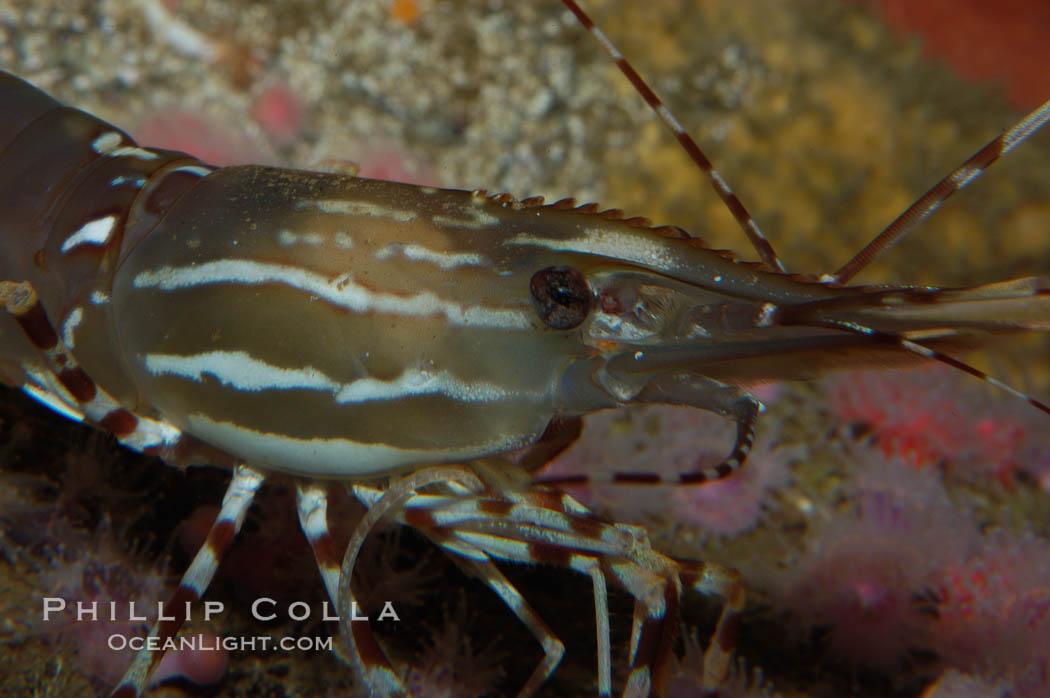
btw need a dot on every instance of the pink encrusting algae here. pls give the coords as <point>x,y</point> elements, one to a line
<point>280,113</point>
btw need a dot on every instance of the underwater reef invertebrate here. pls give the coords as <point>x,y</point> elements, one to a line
<point>451,663</point>
<point>994,611</point>
<point>97,597</point>
<point>901,580</point>
<point>867,579</point>
<point>934,416</point>
<point>546,182</point>
<point>742,682</point>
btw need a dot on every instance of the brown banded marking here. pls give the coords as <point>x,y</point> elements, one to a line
<point>83,397</point>
<point>195,580</point>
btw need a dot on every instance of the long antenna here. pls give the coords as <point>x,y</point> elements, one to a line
<point>732,202</point>
<point>932,200</point>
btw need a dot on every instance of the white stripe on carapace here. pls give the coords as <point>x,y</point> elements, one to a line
<point>132,151</point>
<point>69,326</point>
<point>444,260</point>
<point>413,382</point>
<point>99,298</point>
<point>94,232</point>
<point>356,208</point>
<point>606,243</point>
<point>476,218</point>
<point>336,457</point>
<point>239,370</point>
<point>340,291</point>
<point>286,238</point>
<point>107,142</point>
<point>242,371</point>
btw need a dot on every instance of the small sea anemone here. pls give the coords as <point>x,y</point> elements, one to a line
<point>451,665</point>
<point>867,579</point>
<point>669,441</point>
<point>916,415</point>
<point>995,609</point>
<point>91,572</point>
<point>118,594</point>
<point>91,593</point>
<point>742,682</point>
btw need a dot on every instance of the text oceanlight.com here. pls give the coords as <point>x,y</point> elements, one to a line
<point>195,643</point>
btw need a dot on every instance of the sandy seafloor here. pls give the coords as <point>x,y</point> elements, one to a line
<point>825,124</point>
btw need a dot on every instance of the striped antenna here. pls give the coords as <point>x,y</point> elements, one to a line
<point>732,202</point>
<point>920,350</point>
<point>932,200</point>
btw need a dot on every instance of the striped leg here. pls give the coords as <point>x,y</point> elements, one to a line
<point>71,390</point>
<point>476,563</point>
<point>422,511</point>
<point>243,486</point>
<point>549,527</point>
<point>709,578</point>
<point>312,502</point>
<point>367,658</point>
<point>657,594</point>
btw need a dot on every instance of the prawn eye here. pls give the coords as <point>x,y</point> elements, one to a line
<point>561,297</point>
